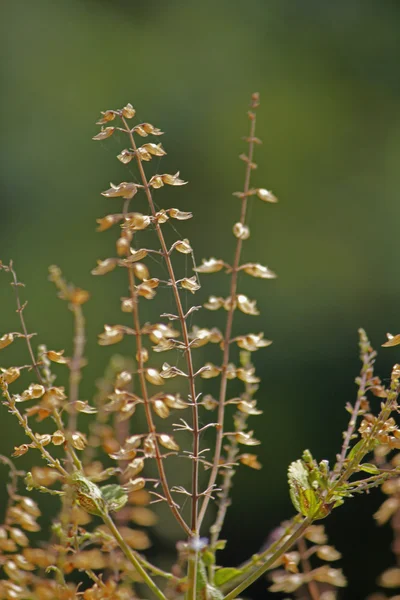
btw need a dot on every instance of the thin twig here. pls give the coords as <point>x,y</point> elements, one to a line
<point>185,335</point>
<point>229,320</point>
<point>306,566</point>
<point>297,534</point>
<point>20,309</point>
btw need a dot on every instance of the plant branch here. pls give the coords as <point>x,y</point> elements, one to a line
<point>131,556</point>
<point>229,320</point>
<point>20,309</point>
<point>185,335</point>
<point>258,572</point>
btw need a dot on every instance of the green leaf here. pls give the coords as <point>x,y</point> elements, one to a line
<point>114,496</point>
<point>226,574</point>
<point>355,449</point>
<point>369,468</point>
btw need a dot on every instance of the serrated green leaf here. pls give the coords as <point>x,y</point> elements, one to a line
<point>226,574</point>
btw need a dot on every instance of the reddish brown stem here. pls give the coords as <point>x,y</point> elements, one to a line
<point>185,335</point>
<point>229,320</point>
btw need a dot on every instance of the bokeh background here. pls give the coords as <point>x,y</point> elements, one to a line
<point>328,75</point>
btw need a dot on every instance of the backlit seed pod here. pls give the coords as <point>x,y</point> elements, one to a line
<point>81,406</point>
<point>105,133</point>
<point>161,216</point>
<point>161,409</point>
<point>11,374</point>
<point>174,402</point>
<point>111,335</point>
<point>169,371</point>
<point>153,376</point>
<point>266,196</point>
<point>190,283</point>
<point>257,270</point>
<point>392,340</point>
<point>214,303</point>
<point>127,305</point>
<point>78,440</point>
<point>30,506</point>
<point>143,516</point>
<point>168,442</point>
<point>246,438</point>
<point>133,485</point>
<point>158,181</point>
<point>164,345</point>
<point>145,129</point>
<point>43,439</point>
<point>149,447</point>
<point>146,291</point>
<point>154,149</point>
<point>104,266</point>
<point>240,231</point>
<point>106,222</point>
<point>230,371</point>
<point>183,246</point>
<point>136,221</point>
<point>141,271</point>
<point>19,536</point>
<point>249,408</point>
<point>128,111</point>
<point>143,355</point>
<point>134,467</point>
<point>6,340</point>
<point>58,438</point>
<point>122,246</point>
<point>108,115</point>
<point>136,255</point>
<point>53,397</point>
<point>20,450</point>
<point>247,306</point>
<point>122,190</point>
<point>209,402</point>
<point>79,296</point>
<point>250,460</point>
<point>212,265</point>
<point>125,156</point>
<point>57,357</point>
<point>252,342</point>
<point>36,390</point>
<point>45,476</point>
<point>23,563</point>
<point>212,371</point>
<point>144,153</point>
<point>180,215</point>
<point>123,379</point>
<point>328,553</point>
<point>247,375</point>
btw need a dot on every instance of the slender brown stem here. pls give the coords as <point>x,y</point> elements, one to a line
<point>185,335</point>
<point>306,566</point>
<point>36,443</point>
<point>229,320</point>
<point>20,309</point>
<point>147,405</point>
<point>75,364</point>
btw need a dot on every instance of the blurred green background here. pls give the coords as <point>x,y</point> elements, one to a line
<point>329,81</point>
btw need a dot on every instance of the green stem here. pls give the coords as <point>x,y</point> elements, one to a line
<point>192,577</point>
<point>272,559</point>
<point>131,557</point>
